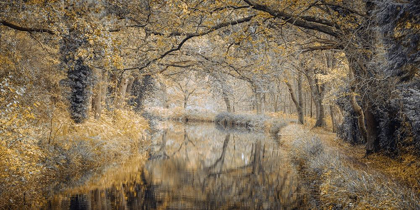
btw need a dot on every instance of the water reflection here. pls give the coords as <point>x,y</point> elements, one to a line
<point>198,167</point>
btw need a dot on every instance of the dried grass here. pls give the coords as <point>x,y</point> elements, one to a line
<point>64,153</point>
<point>341,184</point>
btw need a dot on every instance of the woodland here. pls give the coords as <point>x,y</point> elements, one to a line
<point>81,80</point>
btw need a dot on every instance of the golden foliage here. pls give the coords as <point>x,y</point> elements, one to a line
<point>73,150</point>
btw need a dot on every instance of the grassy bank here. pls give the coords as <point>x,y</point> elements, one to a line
<point>180,114</point>
<point>334,180</point>
<point>251,122</point>
<point>61,154</point>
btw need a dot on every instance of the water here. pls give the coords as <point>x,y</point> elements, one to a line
<point>194,167</point>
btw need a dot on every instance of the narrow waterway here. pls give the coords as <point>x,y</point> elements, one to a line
<point>194,166</point>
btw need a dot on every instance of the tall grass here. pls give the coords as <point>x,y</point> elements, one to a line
<point>341,184</point>
<point>65,154</point>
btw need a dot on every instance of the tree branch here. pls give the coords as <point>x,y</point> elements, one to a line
<point>30,30</point>
<point>322,47</point>
<point>190,36</point>
<point>307,22</point>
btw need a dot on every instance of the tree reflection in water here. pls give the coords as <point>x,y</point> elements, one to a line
<point>199,167</point>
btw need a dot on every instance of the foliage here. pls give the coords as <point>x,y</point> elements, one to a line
<point>79,78</point>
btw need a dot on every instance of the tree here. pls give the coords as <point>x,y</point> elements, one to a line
<point>350,26</point>
<point>298,101</point>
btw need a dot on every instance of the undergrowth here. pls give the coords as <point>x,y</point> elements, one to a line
<point>341,185</point>
<point>180,114</point>
<point>63,153</point>
<point>252,122</point>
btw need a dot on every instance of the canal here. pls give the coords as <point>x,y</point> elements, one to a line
<point>194,166</point>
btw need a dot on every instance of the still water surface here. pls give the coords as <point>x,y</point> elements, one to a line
<point>194,166</point>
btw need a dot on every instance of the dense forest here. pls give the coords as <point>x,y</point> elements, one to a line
<point>82,83</point>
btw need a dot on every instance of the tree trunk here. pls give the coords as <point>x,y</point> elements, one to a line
<point>372,144</point>
<point>185,102</point>
<point>144,88</point>
<point>227,101</point>
<point>360,116</point>
<point>256,163</point>
<point>298,104</point>
<point>120,95</point>
<point>320,114</point>
<point>104,88</point>
<point>129,87</point>
<point>333,120</point>
<point>276,102</point>
<point>299,92</point>
<point>305,104</point>
<point>258,102</point>
<point>284,103</point>
<point>310,108</point>
<point>317,91</point>
<point>257,99</point>
<point>97,94</point>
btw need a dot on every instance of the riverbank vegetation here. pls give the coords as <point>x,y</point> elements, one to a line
<point>44,162</point>
<point>334,179</point>
<point>76,77</point>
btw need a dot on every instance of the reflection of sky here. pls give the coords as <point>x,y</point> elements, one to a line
<point>203,145</point>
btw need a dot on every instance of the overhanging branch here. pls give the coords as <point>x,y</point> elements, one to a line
<point>189,36</point>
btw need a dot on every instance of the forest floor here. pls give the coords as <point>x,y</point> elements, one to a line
<point>335,174</point>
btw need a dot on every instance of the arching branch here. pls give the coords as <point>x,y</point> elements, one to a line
<point>189,36</point>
